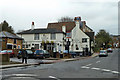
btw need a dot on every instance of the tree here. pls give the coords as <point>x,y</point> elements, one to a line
<point>102,38</point>
<point>5,27</point>
<point>65,19</point>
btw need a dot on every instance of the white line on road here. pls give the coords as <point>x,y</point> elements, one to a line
<point>85,67</point>
<point>88,64</point>
<point>97,61</point>
<point>115,72</point>
<point>95,68</point>
<point>23,75</point>
<point>53,77</point>
<point>105,70</point>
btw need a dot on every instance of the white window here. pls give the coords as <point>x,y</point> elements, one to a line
<point>36,36</point>
<point>53,36</point>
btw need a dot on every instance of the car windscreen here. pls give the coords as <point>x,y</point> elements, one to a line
<point>71,52</point>
<point>29,52</point>
<point>4,51</point>
<point>9,51</point>
<point>38,51</point>
<point>46,52</point>
<point>102,51</point>
<point>20,52</point>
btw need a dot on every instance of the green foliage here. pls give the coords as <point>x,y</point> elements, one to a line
<point>5,27</point>
<point>102,37</point>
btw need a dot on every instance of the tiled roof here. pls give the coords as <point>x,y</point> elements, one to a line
<point>36,31</point>
<point>58,25</point>
<point>4,34</point>
<point>69,25</point>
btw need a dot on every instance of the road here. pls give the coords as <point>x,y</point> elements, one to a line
<point>100,68</point>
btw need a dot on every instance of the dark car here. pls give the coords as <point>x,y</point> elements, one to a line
<point>73,54</point>
<point>30,54</point>
<point>41,54</point>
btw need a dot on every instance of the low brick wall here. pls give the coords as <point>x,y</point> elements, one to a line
<point>4,58</point>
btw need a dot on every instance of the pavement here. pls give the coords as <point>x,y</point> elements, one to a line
<point>46,61</point>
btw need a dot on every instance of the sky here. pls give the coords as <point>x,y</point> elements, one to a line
<point>98,14</point>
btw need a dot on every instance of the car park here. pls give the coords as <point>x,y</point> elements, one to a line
<point>109,50</point>
<point>29,52</point>
<point>41,54</point>
<point>103,53</point>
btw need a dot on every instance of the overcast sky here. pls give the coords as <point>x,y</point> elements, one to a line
<point>98,14</point>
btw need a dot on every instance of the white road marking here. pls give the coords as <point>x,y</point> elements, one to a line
<point>88,64</point>
<point>105,70</point>
<point>95,68</point>
<point>23,75</point>
<point>115,72</point>
<point>97,61</point>
<point>53,77</point>
<point>85,67</point>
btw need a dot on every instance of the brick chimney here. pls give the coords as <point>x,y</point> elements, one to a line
<point>32,26</point>
<point>77,21</point>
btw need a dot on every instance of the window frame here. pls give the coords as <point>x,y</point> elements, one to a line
<point>36,36</point>
<point>53,36</point>
<point>84,40</point>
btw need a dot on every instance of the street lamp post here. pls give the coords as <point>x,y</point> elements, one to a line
<point>68,44</point>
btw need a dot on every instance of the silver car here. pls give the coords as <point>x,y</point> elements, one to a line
<point>103,53</point>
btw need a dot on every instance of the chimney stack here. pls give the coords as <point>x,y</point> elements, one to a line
<point>77,19</point>
<point>32,26</point>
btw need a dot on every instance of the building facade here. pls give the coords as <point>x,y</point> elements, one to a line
<point>10,41</point>
<point>78,33</point>
<point>46,39</point>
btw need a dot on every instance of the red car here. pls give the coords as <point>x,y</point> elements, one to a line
<point>12,54</point>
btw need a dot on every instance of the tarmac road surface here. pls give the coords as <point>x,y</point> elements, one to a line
<point>100,68</point>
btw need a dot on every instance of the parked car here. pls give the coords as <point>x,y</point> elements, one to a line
<point>41,54</point>
<point>103,53</point>
<point>109,50</point>
<point>30,54</point>
<point>10,52</point>
<point>73,54</point>
<point>3,52</point>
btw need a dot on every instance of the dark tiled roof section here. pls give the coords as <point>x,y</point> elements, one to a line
<point>89,27</point>
<point>38,31</point>
<point>91,35</point>
<point>5,34</point>
<point>58,25</point>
